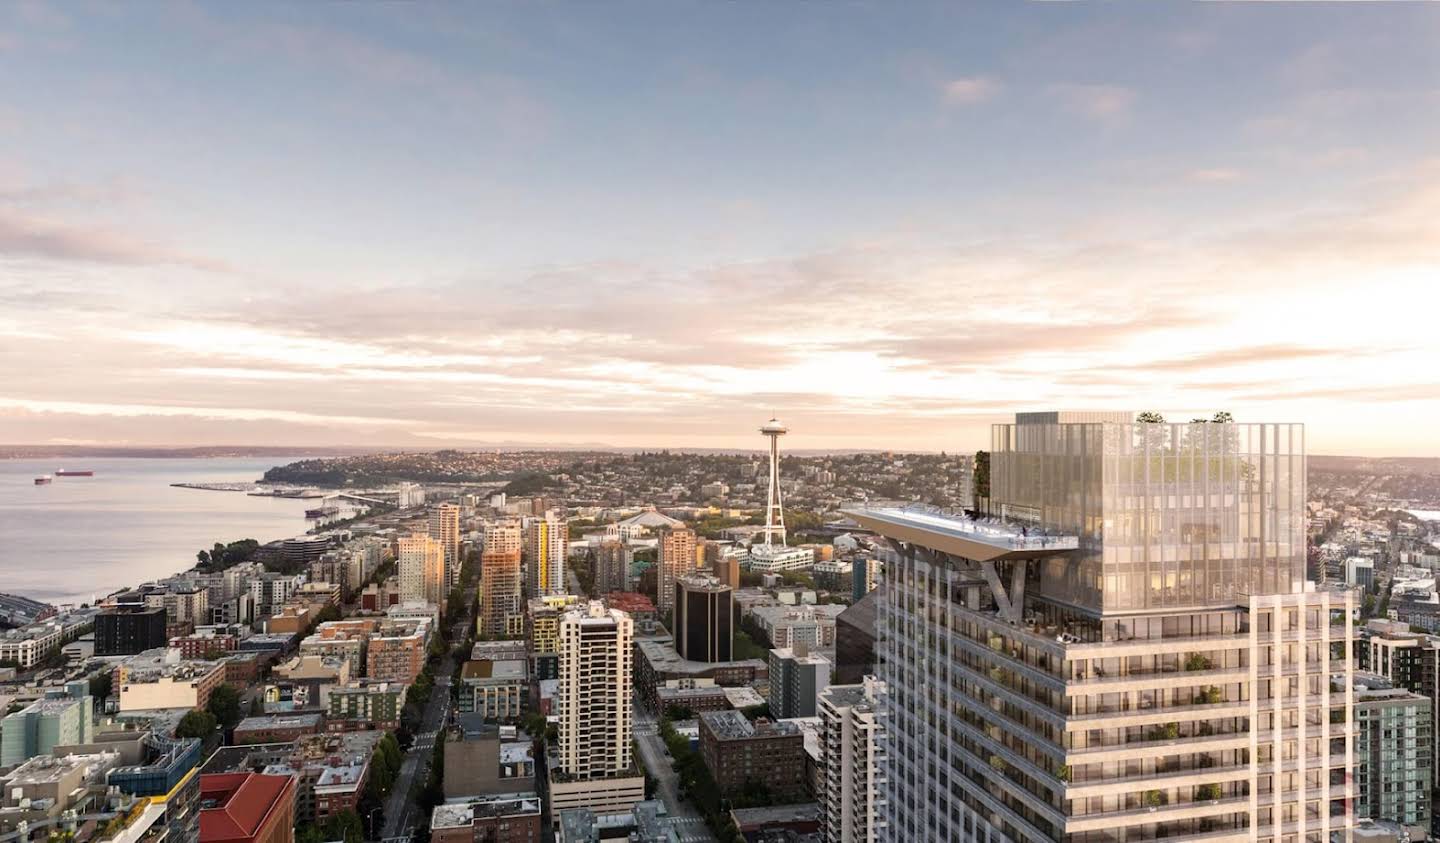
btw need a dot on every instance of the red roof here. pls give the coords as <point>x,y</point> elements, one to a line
<point>240,806</point>
<point>629,601</point>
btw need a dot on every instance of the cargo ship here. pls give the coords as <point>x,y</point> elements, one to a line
<point>43,479</point>
<point>74,473</point>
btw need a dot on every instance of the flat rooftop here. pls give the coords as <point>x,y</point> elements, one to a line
<point>982,539</point>
<point>464,814</point>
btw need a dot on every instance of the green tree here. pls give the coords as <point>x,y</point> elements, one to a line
<point>1150,417</point>
<point>225,706</point>
<point>101,684</point>
<point>982,474</point>
<point>196,724</point>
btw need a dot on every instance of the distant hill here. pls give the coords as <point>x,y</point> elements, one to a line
<point>1376,465</point>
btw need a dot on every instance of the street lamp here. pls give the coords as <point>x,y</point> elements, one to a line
<point>371,820</point>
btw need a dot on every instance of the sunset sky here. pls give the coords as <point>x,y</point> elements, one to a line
<point>656,224</point>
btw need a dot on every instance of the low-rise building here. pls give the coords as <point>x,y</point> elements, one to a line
<point>161,679</point>
<point>763,753</point>
<point>247,808</point>
<point>495,689</point>
<point>657,662</point>
<point>496,818</point>
<point>275,728</point>
<point>365,705</point>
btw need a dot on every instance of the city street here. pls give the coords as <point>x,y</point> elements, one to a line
<point>402,815</point>
<point>689,825</point>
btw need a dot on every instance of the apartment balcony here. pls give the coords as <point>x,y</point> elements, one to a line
<point>1158,781</point>
<point>1145,749</point>
<point>1161,814</point>
<point>1156,715</point>
<point>983,540</point>
<point>1155,681</point>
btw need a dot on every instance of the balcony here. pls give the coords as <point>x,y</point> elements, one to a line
<point>983,540</point>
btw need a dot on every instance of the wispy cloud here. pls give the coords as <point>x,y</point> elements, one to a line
<point>970,90</point>
<point>1215,175</point>
<point>1101,103</point>
<point>31,236</point>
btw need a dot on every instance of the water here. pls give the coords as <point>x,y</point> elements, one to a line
<point>82,537</point>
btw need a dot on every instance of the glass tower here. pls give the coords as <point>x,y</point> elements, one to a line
<point>1123,648</point>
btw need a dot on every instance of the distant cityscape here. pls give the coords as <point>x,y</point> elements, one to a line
<point>1095,629</point>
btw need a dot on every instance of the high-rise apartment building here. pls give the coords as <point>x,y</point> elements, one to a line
<point>1393,745</point>
<point>1127,649</point>
<point>797,677</point>
<point>851,750</point>
<point>1408,660</point>
<point>704,617</point>
<point>445,529</point>
<point>611,567</point>
<point>422,569</point>
<point>546,543</point>
<point>500,591</point>
<point>593,700</point>
<point>45,724</point>
<point>675,559</point>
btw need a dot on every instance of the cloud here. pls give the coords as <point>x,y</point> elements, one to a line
<point>23,235</point>
<point>970,90</point>
<point>83,408</point>
<point>1101,103</point>
<point>1215,175</point>
<point>1226,358</point>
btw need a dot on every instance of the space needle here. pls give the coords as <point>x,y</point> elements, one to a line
<point>775,509</point>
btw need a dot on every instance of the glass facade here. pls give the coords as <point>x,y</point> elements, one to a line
<point>1170,516</point>
<point>1170,678</point>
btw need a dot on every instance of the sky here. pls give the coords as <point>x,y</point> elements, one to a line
<point>658,224</point>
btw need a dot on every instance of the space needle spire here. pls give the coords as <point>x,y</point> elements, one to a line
<point>774,509</point>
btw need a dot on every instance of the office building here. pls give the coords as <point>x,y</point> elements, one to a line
<point>1125,648</point>
<point>501,598</point>
<point>855,640</point>
<point>546,544</point>
<point>1360,572</point>
<point>247,808</point>
<point>612,567</point>
<point>593,700</point>
<point>45,724</point>
<point>147,683</point>
<point>129,629</point>
<point>675,558</point>
<point>766,753</point>
<point>1393,755</point>
<point>445,529</point>
<point>851,748</point>
<point>422,569</point>
<point>796,679</point>
<point>704,614</point>
<point>864,576</point>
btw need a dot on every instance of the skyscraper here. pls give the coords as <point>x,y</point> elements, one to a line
<point>1126,650</point>
<point>611,572</point>
<point>850,743</point>
<point>500,591</point>
<point>547,542</point>
<point>501,583</point>
<point>593,701</point>
<point>422,569</point>
<point>704,615</point>
<point>676,558</point>
<point>445,529</point>
<point>593,707</point>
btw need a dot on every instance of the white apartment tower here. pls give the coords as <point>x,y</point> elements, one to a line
<point>422,569</point>
<point>851,752</point>
<point>593,700</point>
<point>547,540</point>
<point>1126,649</point>
<point>445,529</point>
